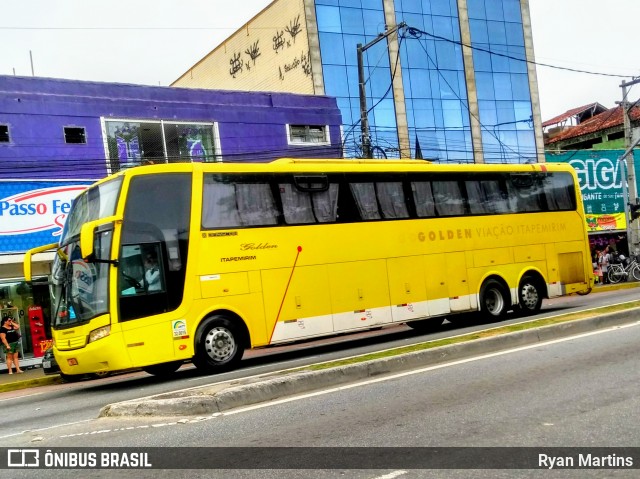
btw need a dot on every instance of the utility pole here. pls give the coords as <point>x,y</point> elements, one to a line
<point>632,231</point>
<point>364,117</point>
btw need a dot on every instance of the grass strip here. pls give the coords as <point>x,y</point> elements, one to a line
<point>565,318</point>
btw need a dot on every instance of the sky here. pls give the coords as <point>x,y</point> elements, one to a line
<point>152,42</point>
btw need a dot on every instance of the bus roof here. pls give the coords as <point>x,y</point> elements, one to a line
<point>330,165</point>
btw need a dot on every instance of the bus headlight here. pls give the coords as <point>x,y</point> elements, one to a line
<point>99,333</point>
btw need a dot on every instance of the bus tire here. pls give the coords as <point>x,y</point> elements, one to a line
<point>529,295</point>
<point>163,369</point>
<point>426,325</point>
<point>494,300</point>
<point>219,345</point>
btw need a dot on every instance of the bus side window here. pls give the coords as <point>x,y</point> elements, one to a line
<point>423,199</point>
<point>365,196</point>
<point>296,205</point>
<point>325,204</point>
<point>449,198</point>
<point>392,200</point>
<point>256,204</point>
<point>559,191</point>
<point>233,205</point>
<point>528,192</point>
<point>347,211</point>
<point>486,197</point>
<point>219,206</point>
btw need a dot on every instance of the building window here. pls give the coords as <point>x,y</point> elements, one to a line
<point>135,142</point>
<point>308,135</point>
<point>75,135</point>
<point>4,133</point>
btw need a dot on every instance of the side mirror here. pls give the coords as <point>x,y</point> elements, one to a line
<point>88,234</point>
<point>30,253</point>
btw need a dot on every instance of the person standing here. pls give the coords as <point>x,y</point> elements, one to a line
<point>603,261</point>
<point>10,337</point>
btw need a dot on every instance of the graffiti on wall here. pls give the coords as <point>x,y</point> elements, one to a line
<point>301,61</point>
<point>283,39</point>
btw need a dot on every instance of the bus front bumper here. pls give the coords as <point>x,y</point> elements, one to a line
<point>104,355</point>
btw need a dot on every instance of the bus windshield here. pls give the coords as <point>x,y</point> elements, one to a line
<point>79,288</point>
<point>96,202</point>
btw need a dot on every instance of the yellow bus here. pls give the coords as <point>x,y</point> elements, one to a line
<point>162,264</point>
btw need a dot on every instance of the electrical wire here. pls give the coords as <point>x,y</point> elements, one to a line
<point>548,65</point>
<point>415,33</point>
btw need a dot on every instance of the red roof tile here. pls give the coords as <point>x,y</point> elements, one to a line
<point>570,113</point>
<point>602,121</point>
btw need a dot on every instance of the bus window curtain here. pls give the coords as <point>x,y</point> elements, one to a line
<point>255,204</point>
<point>365,196</point>
<point>219,209</point>
<point>296,205</point>
<point>448,198</point>
<point>325,204</point>
<point>423,199</point>
<point>391,198</point>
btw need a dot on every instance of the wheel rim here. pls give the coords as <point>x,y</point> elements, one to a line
<point>220,344</point>
<point>494,302</point>
<point>615,275</point>
<point>529,296</point>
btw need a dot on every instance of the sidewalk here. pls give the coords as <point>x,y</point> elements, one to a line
<point>31,377</point>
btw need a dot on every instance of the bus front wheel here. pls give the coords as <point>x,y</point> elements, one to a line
<point>218,345</point>
<point>494,300</point>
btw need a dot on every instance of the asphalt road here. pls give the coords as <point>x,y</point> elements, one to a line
<point>579,392</point>
<point>49,406</point>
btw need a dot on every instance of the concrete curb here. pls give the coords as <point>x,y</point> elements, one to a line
<point>223,397</point>
<point>29,383</point>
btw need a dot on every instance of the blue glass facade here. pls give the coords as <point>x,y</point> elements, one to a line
<point>342,25</point>
<point>434,81</point>
<point>438,115</point>
<point>502,82</point>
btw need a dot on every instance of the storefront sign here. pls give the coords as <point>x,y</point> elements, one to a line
<point>606,222</point>
<point>32,213</point>
<point>600,174</point>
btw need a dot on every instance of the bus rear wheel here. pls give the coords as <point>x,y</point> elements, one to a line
<point>164,369</point>
<point>529,295</point>
<point>494,300</point>
<point>218,345</point>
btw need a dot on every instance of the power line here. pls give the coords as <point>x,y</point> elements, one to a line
<point>417,33</point>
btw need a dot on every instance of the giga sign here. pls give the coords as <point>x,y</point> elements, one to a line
<point>600,174</point>
<point>32,213</point>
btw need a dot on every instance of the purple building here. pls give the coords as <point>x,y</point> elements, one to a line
<point>58,136</point>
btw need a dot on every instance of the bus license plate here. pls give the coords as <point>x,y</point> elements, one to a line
<point>46,364</point>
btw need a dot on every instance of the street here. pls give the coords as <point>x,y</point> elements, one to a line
<point>41,407</point>
<point>579,392</point>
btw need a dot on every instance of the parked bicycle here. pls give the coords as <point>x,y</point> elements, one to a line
<point>622,268</point>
